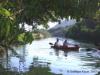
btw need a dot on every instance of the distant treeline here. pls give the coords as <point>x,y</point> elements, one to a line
<point>88,30</point>
<point>42,33</point>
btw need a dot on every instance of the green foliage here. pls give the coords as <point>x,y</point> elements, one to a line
<point>28,38</point>
<point>83,31</point>
<point>39,71</point>
<point>36,12</point>
<point>4,12</point>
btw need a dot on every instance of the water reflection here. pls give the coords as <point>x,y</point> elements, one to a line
<point>39,55</point>
<point>92,62</point>
<point>56,52</point>
<point>14,62</point>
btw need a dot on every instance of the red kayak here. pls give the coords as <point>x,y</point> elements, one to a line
<point>74,47</point>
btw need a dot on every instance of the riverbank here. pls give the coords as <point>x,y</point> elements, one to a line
<point>84,32</point>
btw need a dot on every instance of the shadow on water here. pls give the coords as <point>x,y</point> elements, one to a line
<point>58,51</point>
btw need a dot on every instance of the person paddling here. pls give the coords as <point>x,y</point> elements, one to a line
<point>56,43</point>
<point>65,43</point>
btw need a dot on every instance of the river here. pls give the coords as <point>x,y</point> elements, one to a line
<point>39,53</point>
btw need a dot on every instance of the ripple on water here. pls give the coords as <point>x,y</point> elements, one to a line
<point>39,52</point>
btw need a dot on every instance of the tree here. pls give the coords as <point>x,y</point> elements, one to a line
<point>36,12</point>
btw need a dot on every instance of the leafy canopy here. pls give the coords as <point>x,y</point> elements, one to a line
<point>36,12</point>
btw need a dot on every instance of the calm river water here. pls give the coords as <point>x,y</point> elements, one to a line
<point>39,53</point>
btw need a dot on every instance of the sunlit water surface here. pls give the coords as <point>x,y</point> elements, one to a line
<point>59,62</point>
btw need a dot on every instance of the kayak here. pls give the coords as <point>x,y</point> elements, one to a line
<point>74,47</point>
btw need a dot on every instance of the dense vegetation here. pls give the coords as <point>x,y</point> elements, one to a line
<point>87,30</point>
<point>36,12</point>
<point>14,14</point>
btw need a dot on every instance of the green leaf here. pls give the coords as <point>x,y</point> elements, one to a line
<point>4,12</point>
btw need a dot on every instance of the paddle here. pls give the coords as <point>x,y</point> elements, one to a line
<point>51,43</point>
